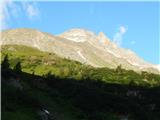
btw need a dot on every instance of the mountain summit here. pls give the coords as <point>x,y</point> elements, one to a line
<point>78,35</point>
<point>80,45</point>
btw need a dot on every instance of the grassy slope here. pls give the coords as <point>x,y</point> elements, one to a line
<point>60,97</point>
<point>41,63</point>
<point>33,60</point>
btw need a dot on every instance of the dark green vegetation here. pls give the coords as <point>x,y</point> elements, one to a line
<point>32,80</point>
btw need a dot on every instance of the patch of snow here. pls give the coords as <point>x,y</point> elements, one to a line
<point>116,55</point>
<point>136,64</point>
<point>133,63</point>
<point>143,66</point>
<point>140,67</point>
<point>81,55</point>
<point>76,38</point>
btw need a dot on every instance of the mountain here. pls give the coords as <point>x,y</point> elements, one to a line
<point>43,85</point>
<point>80,45</point>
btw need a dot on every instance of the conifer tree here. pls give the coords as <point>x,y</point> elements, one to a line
<point>5,64</point>
<point>18,67</point>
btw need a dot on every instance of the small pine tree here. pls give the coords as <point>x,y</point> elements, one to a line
<point>48,75</point>
<point>119,69</point>
<point>132,83</point>
<point>18,67</point>
<point>5,64</point>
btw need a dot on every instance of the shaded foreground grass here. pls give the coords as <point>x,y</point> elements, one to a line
<point>70,99</point>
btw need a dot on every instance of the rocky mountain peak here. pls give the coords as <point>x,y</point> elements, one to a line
<point>95,50</point>
<point>102,38</point>
<point>78,35</point>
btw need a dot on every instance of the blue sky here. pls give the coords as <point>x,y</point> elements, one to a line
<point>133,25</point>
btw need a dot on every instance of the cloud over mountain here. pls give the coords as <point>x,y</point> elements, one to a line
<point>118,37</point>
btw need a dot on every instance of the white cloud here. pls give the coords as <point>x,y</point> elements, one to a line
<point>122,29</point>
<point>9,10</point>
<point>31,9</point>
<point>117,38</point>
<point>5,15</point>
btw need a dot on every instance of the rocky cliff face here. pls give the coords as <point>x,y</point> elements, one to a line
<point>81,45</point>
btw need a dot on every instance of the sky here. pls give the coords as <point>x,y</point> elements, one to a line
<point>132,25</point>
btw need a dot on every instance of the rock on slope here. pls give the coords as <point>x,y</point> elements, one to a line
<point>81,45</point>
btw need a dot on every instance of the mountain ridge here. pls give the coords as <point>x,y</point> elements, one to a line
<point>83,46</point>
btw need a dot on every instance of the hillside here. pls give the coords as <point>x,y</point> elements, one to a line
<point>80,45</point>
<point>40,63</point>
<point>42,86</point>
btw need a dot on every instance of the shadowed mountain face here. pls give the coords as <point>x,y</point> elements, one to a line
<point>81,45</point>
